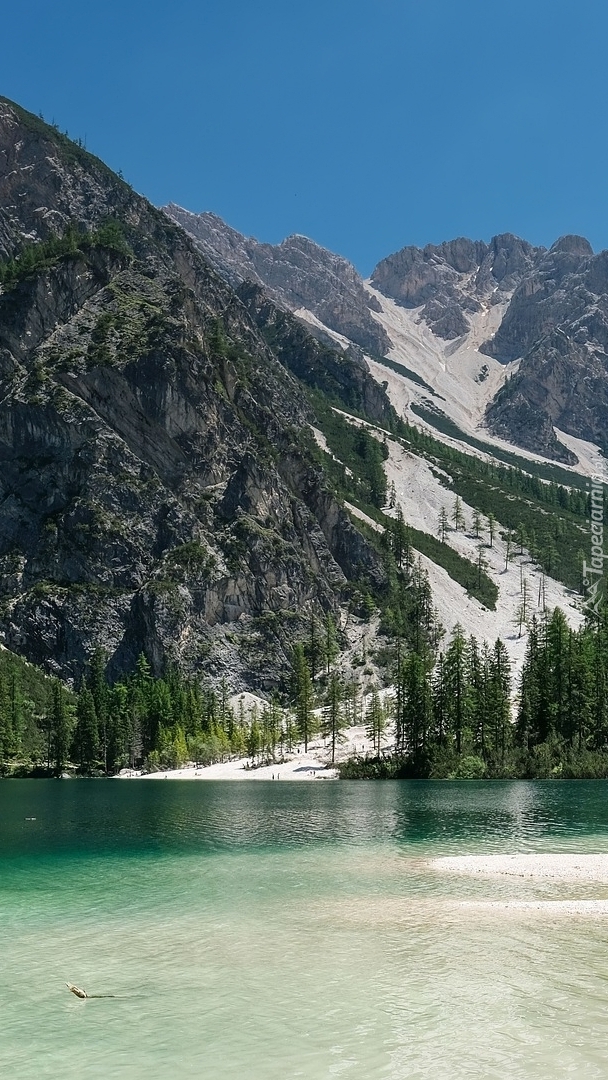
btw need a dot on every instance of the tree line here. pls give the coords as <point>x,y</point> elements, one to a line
<point>456,715</point>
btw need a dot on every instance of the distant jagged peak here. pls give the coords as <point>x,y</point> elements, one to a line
<point>450,281</point>
<point>572,244</point>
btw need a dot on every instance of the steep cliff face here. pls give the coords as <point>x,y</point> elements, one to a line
<point>450,281</point>
<point>557,322</point>
<point>156,492</point>
<point>553,292</point>
<point>296,273</point>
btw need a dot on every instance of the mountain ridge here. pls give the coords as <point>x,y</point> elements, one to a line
<point>165,485</point>
<point>157,494</point>
<point>544,296</point>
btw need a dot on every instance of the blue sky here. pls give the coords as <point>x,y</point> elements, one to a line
<point>366,126</point>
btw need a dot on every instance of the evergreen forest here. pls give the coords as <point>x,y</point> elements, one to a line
<point>452,712</point>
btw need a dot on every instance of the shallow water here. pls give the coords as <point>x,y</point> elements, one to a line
<point>270,931</point>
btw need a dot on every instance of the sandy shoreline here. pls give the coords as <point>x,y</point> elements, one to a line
<point>531,867</point>
<point>313,765</point>
<point>301,767</point>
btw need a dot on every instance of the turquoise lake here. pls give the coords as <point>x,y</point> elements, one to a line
<point>270,931</point>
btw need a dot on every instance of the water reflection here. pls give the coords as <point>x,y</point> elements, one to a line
<point>287,930</point>
<point>433,817</point>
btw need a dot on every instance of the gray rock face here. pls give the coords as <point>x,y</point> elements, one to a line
<point>449,280</point>
<point>550,293</point>
<point>155,493</point>
<point>296,273</point>
<point>557,322</point>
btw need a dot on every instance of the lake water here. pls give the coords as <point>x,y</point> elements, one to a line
<point>270,931</point>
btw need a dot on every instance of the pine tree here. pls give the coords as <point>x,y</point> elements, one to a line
<point>180,746</point>
<point>477,680</point>
<point>482,565</point>
<point>121,748</point>
<point>351,703</point>
<point>15,711</point>
<point>303,695</point>
<point>456,686</point>
<point>440,706</point>
<point>331,649</point>
<point>86,734</point>
<point>400,536</point>
<point>60,727</point>
<point>499,698</point>
<point>254,738</point>
<point>417,704</point>
<point>375,720</point>
<point>333,713</point>
<point>522,537</point>
<point>314,648</point>
<point>97,684</point>
<point>457,514</point>
<point>522,613</point>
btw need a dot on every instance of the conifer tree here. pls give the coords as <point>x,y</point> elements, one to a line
<point>444,525</point>
<point>417,704</point>
<point>86,733</point>
<point>303,695</point>
<point>98,686</point>
<point>456,685</point>
<point>375,720</point>
<point>400,537</point>
<point>333,713</point>
<point>457,514</point>
<point>60,727</point>
<point>499,698</point>
<point>440,701</point>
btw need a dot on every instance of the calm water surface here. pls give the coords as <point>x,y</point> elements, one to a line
<point>270,931</point>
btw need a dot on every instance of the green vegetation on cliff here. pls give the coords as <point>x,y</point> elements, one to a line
<point>32,258</point>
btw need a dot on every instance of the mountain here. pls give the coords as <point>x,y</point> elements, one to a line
<point>159,491</point>
<point>298,274</point>
<point>190,473</point>
<point>557,323</point>
<point>551,335</point>
<point>440,311</point>
<point>450,281</point>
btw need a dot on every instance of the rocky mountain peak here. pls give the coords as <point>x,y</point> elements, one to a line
<point>297,273</point>
<point>572,245</point>
<point>557,324</point>
<point>449,281</point>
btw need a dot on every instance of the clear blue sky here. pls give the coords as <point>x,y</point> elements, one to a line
<point>365,125</point>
